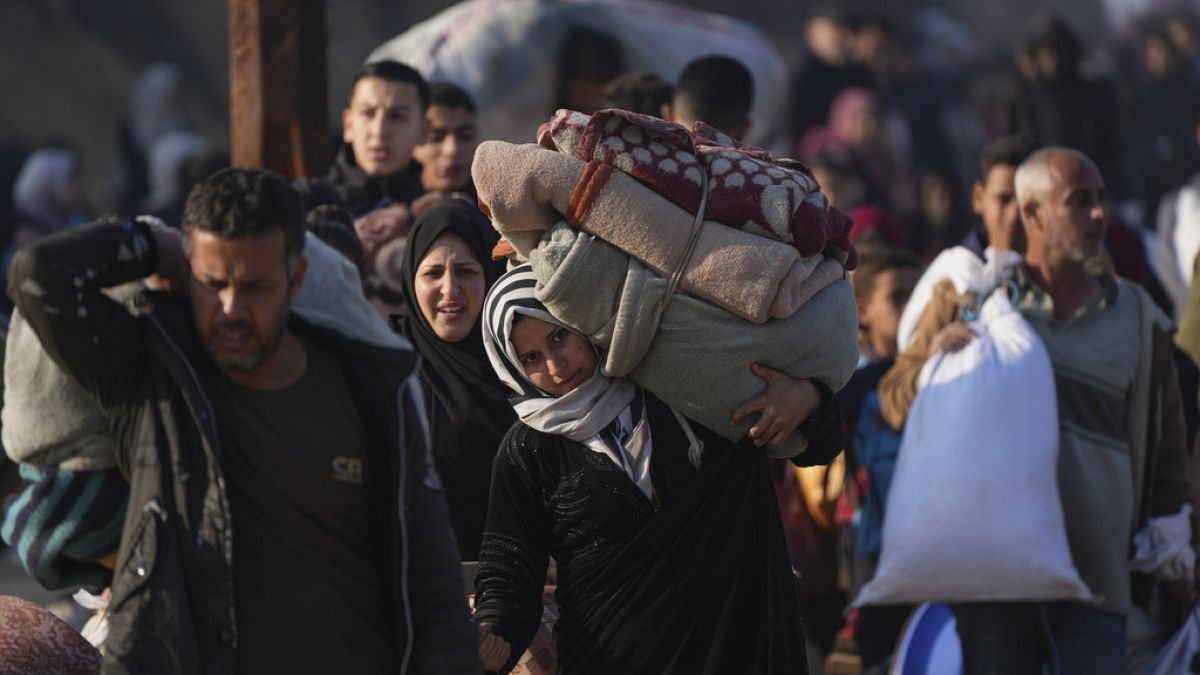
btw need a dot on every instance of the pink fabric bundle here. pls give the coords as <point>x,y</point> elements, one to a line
<point>526,189</point>
<point>748,188</point>
<point>32,640</point>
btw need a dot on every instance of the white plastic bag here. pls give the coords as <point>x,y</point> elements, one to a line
<point>1176,657</point>
<point>974,513</point>
<point>504,52</point>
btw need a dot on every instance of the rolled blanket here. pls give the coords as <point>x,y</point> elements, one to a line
<point>47,417</point>
<point>64,523</point>
<point>698,359</point>
<point>527,190</point>
<point>749,189</point>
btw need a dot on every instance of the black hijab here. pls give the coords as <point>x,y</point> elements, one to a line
<point>469,412</point>
<point>458,374</point>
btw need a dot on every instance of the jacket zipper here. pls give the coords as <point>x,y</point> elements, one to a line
<point>227,531</point>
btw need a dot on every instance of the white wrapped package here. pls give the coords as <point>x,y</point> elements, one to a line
<point>974,512</point>
<point>505,54</point>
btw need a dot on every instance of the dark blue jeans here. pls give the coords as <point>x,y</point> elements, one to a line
<point>1019,638</point>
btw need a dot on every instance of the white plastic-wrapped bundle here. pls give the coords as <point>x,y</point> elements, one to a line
<point>974,512</point>
<point>504,52</point>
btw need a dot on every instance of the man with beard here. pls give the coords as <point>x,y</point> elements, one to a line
<point>283,514</point>
<point>1122,465</point>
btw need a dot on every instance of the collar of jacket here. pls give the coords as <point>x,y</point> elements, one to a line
<point>361,193</point>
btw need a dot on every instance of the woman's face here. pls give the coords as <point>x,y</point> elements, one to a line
<point>449,288</point>
<point>556,359</point>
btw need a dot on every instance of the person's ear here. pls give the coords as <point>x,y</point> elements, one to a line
<point>1029,216</point>
<point>977,198</point>
<point>297,277</point>
<point>739,132</point>
<point>667,111</point>
<point>346,137</point>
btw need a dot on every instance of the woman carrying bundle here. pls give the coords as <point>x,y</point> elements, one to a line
<point>670,553</point>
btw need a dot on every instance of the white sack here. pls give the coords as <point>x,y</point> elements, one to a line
<point>974,512</point>
<point>1181,650</point>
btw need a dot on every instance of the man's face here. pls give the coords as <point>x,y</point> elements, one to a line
<point>451,136</point>
<point>1072,215</point>
<point>240,292</point>
<point>383,124</point>
<point>995,201</point>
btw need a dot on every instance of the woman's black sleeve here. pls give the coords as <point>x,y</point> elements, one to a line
<point>516,546</point>
<point>823,429</point>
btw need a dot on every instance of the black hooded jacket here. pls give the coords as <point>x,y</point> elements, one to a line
<point>349,187</point>
<point>173,608</point>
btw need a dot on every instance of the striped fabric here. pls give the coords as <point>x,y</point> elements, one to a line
<point>604,414</point>
<point>64,522</point>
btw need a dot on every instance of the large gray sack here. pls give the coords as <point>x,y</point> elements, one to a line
<point>697,359</point>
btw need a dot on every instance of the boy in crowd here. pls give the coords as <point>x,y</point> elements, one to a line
<point>382,123</point>
<point>716,90</point>
<point>451,136</point>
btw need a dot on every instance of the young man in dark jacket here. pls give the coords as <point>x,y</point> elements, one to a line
<point>382,122</point>
<point>284,515</point>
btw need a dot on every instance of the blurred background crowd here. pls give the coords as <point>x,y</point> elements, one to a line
<point>890,107</point>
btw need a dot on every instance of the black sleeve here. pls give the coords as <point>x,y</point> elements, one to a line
<point>444,639</point>
<point>56,284</point>
<point>516,547</point>
<point>316,192</point>
<point>823,429</point>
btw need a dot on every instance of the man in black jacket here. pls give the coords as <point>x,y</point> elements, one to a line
<point>284,515</point>
<point>381,124</point>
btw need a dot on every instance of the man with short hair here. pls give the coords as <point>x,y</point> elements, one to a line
<point>998,238</point>
<point>994,196</point>
<point>717,90</point>
<point>381,125</point>
<point>451,136</point>
<point>1122,463</point>
<point>284,514</point>
<point>642,92</point>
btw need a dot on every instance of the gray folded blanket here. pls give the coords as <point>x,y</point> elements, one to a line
<point>49,419</point>
<point>698,359</point>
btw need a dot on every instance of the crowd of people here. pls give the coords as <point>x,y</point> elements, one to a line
<point>267,426</point>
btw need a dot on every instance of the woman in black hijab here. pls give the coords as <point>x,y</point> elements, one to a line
<point>446,272</point>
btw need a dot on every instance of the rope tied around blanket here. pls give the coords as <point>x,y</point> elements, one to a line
<point>680,266</point>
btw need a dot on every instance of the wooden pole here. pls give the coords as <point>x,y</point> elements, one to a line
<point>278,85</point>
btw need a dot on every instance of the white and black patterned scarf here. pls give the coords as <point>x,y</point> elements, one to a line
<point>606,415</point>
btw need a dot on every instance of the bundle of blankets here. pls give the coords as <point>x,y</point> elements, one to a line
<point>606,206</point>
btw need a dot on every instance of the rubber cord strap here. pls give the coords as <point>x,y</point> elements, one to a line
<point>681,265</point>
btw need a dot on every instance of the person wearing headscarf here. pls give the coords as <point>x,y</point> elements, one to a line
<point>446,270</point>
<point>46,198</point>
<point>670,553</point>
<point>46,193</point>
<point>166,175</point>
<point>156,108</point>
<point>873,140</point>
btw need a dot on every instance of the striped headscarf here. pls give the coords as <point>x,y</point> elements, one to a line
<point>607,415</point>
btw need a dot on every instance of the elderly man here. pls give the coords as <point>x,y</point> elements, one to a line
<point>1122,467</point>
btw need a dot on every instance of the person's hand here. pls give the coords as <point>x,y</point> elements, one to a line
<point>1185,591</point>
<point>172,271</point>
<point>493,649</point>
<point>951,338</point>
<point>782,407</point>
